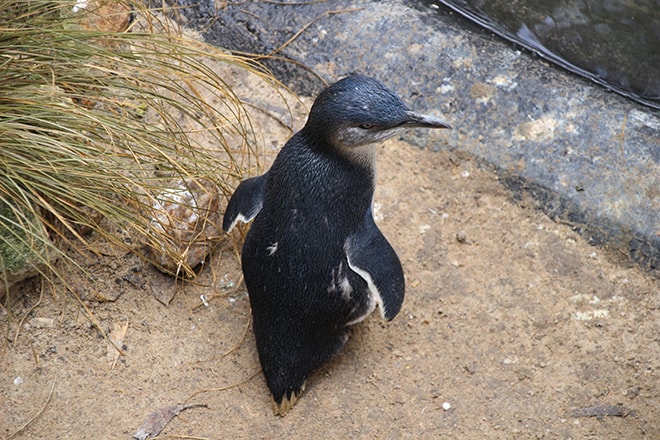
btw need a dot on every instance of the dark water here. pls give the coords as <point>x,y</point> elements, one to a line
<point>616,43</point>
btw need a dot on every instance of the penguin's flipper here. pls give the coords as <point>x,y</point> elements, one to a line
<point>372,257</point>
<point>245,203</point>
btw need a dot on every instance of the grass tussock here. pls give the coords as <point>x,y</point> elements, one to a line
<point>97,124</point>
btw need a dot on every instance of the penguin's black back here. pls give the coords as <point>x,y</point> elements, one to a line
<point>294,260</point>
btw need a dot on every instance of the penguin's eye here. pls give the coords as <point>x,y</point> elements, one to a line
<point>366,126</point>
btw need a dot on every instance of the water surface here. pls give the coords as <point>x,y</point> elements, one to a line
<point>616,43</point>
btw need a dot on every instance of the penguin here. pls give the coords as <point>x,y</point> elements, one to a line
<point>314,261</point>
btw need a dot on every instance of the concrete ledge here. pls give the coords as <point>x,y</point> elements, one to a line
<point>580,153</point>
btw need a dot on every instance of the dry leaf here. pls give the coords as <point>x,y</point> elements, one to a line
<point>156,422</point>
<point>115,341</point>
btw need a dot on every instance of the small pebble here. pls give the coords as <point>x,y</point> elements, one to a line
<point>42,322</point>
<point>633,392</point>
<point>446,406</point>
<point>18,380</point>
<point>461,237</point>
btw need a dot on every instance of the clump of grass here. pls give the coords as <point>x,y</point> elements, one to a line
<point>95,124</point>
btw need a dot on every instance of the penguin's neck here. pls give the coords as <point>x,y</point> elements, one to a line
<point>329,142</point>
<point>364,156</point>
<point>343,176</point>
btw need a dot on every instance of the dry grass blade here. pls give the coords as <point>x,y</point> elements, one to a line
<point>219,389</point>
<point>33,418</point>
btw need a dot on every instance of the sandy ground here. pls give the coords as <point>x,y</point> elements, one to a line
<point>512,327</point>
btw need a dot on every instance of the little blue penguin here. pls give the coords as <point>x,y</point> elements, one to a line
<point>314,261</point>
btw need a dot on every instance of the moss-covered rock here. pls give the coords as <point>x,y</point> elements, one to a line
<point>24,249</point>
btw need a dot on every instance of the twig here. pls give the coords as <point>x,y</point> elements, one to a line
<point>601,411</point>
<point>20,324</point>
<point>236,346</point>
<point>240,341</point>
<point>225,293</point>
<point>303,66</point>
<point>210,390</point>
<point>182,437</point>
<point>305,27</point>
<point>622,137</point>
<point>155,422</point>
<point>270,115</point>
<point>50,394</point>
<point>311,2</point>
<point>95,322</point>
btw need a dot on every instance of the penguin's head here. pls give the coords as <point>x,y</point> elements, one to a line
<point>359,110</point>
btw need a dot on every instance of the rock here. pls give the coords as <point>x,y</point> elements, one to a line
<point>185,222</point>
<point>104,15</point>
<point>20,256</point>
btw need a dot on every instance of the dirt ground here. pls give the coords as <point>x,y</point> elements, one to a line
<point>512,328</point>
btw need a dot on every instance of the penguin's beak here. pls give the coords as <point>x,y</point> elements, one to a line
<point>426,121</point>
